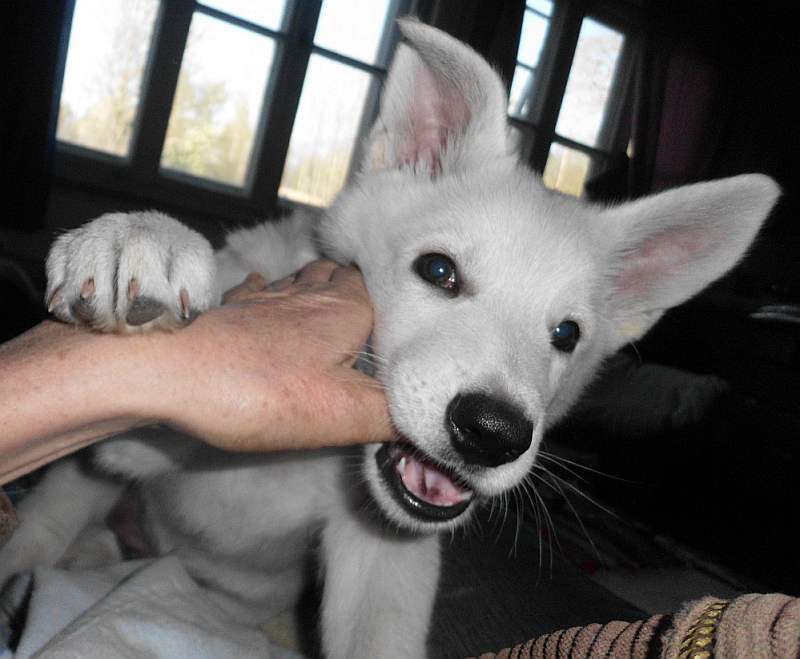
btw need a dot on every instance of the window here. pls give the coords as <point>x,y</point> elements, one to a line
<point>218,101</point>
<point>569,90</point>
<point>103,74</point>
<point>224,106</point>
<point>339,98</point>
<point>221,105</point>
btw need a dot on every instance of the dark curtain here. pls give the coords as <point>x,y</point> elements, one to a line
<point>714,94</point>
<point>32,40</point>
<point>676,110</point>
<point>715,97</point>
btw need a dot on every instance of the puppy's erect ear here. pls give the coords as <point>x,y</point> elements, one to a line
<point>666,248</point>
<point>443,107</point>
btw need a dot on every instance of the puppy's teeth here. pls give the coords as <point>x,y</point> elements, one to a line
<point>401,466</point>
<point>430,478</point>
<point>55,300</point>
<point>407,472</point>
<point>422,480</point>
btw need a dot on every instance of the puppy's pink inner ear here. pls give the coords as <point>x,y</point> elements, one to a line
<point>660,256</point>
<point>438,114</point>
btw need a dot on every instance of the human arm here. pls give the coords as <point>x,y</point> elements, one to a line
<point>270,370</point>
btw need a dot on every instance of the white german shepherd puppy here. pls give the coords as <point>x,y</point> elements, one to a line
<point>495,300</point>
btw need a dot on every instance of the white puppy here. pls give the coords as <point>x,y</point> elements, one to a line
<point>495,302</point>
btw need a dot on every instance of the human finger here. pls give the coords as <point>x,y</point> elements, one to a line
<point>350,277</point>
<point>252,284</point>
<point>280,284</point>
<point>316,271</point>
<point>345,273</point>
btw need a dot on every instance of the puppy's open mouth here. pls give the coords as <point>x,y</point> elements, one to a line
<point>426,490</point>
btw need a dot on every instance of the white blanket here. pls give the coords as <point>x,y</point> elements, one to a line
<point>145,608</point>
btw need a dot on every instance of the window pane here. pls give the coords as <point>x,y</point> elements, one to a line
<point>267,13</point>
<point>589,83</point>
<point>566,169</point>
<point>325,131</point>
<point>531,42</point>
<point>217,101</point>
<point>353,28</point>
<point>106,58</point>
<point>531,38</point>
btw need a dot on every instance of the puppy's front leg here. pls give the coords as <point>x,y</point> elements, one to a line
<point>379,591</point>
<point>54,514</point>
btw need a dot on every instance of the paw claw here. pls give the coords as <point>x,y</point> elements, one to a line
<point>185,308</point>
<point>143,310</point>
<point>87,290</point>
<point>134,290</point>
<point>55,299</point>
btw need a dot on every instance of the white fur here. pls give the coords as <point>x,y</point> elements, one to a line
<point>438,178</point>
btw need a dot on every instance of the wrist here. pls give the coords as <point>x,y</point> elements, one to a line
<point>106,377</point>
<point>137,375</point>
<point>95,377</point>
<point>63,387</point>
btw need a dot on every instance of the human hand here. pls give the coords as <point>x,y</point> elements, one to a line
<point>272,368</point>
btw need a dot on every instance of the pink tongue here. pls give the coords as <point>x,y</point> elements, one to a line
<point>429,484</point>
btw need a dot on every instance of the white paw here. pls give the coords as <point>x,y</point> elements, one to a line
<point>127,271</point>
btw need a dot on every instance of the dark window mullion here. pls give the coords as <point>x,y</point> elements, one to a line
<point>528,131</point>
<point>283,98</point>
<point>533,10</point>
<point>239,22</point>
<point>160,83</point>
<point>560,47</point>
<point>527,67</point>
<point>580,146</point>
<point>597,158</point>
<point>390,34</point>
<point>524,124</point>
<point>349,61</point>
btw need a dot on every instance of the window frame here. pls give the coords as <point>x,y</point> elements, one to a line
<point>140,173</point>
<point>558,51</point>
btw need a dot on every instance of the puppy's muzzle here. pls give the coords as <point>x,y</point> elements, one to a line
<point>487,431</point>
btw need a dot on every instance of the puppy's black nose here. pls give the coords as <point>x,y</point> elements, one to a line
<point>487,431</point>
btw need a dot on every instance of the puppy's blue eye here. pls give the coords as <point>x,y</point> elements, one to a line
<point>565,336</point>
<point>439,270</point>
